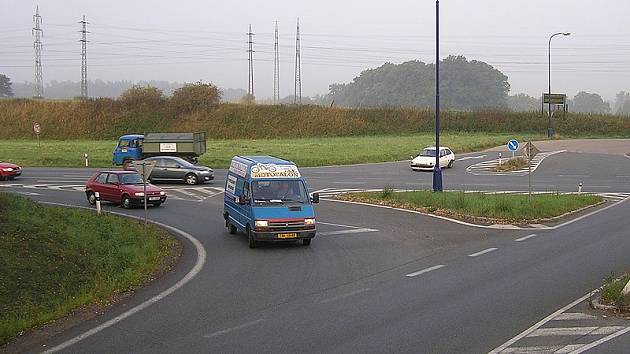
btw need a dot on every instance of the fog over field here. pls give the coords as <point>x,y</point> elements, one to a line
<point>188,41</point>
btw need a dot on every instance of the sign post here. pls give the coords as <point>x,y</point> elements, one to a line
<point>144,168</point>
<point>530,152</point>
<point>37,129</point>
<point>512,146</point>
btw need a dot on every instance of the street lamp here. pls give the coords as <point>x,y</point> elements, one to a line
<point>549,129</point>
<point>437,172</point>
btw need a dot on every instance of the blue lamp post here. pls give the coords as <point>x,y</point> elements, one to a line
<point>437,171</point>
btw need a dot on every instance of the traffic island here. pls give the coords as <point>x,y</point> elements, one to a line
<point>57,262</point>
<point>513,164</point>
<point>481,208</point>
<point>614,295</point>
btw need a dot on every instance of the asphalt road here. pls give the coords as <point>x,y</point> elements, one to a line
<point>399,283</point>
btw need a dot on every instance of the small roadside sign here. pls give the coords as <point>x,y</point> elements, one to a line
<point>144,169</point>
<point>512,145</point>
<point>530,150</point>
<point>37,129</point>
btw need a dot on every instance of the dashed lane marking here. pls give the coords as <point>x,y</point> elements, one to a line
<point>343,232</point>
<point>525,238</point>
<point>487,250</point>
<point>426,270</point>
<point>343,296</point>
<point>226,331</point>
<point>573,316</point>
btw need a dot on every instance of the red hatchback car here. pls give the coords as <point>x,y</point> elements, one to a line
<point>122,187</point>
<point>9,171</point>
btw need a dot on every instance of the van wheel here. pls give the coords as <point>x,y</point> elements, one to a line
<point>232,229</point>
<point>450,164</point>
<point>126,202</point>
<point>306,241</point>
<point>191,178</point>
<point>91,198</point>
<point>250,238</point>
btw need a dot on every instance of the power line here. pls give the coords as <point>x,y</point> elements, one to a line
<point>276,68</point>
<point>37,32</point>
<point>298,67</point>
<point>83,40</point>
<point>250,51</point>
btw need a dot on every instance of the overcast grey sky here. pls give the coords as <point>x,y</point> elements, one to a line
<point>192,40</point>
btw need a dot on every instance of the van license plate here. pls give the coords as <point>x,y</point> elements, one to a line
<point>288,235</point>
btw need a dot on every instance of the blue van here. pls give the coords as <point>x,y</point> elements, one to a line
<point>267,199</point>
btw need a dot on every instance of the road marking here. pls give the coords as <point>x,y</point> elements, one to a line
<point>341,232</point>
<point>426,270</point>
<point>622,176</point>
<point>343,296</point>
<point>27,193</point>
<point>340,225</point>
<point>525,238</point>
<point>601,341</point>
<point>488,250</point>
<point>573,316</point>
<point>225,331</point>
<point>575,331</point>
<point>529,350</point>
<point>574,175</point>
<point>201,260</point>
<point>470,158</point>
<point>538,325</point>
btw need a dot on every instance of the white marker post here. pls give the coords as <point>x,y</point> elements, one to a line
<point>500,161</point>
<point>86,159</point>
<point>97,195</point>
<point>626,289</point>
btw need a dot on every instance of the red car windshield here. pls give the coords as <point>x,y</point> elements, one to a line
<point>130,178</point>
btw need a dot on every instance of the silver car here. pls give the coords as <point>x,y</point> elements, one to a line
<point>176,169</point>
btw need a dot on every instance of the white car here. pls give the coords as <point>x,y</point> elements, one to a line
<point>426,159</point>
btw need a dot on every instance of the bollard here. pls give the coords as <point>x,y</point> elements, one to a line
<point>98,202</point>
<point>500,161</point>
<point>580,188</point>
<point>86,159</point>
<point>626,289</point>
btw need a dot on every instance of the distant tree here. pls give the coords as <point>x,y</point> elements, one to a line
<point>585,102</point>
<point>194,96</point>
<point>290,99</point>
<point>248,99</point>
<point>523,103</point>
<point>622,103</point>
<point>464,85</point>
<point>138,96</point>
<point>5,86</point>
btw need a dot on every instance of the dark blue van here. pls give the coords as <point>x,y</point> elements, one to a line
<point>267,199</point>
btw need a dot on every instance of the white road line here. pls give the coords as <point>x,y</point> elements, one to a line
<point>470,158</point>
<point>568,348</point>
<point>340,225</point>
<point>530,350</point>
<point>201,260</point>
<point>225,331</point>
<point>343,296</point>
<point>603,340</point>
<point>488,250</point>
<point>525,238</point>
<point>342,232</point>
<point>573,316</point>
<point>575,331</point>
<point>538,325</point>
<point>426,270</point>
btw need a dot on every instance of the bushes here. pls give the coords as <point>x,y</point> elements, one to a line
<point>194,108</point>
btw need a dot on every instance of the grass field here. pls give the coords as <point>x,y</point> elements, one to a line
<point>504,207</point>
<point>305,151</point>
<point>54,260</point>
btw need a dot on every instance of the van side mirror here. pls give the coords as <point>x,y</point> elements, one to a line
<point>241,200</point>
<point>315,198</point>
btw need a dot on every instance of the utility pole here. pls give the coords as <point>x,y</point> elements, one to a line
<point>276,68</point>
<point>37,32</point>
<point>297,93</point>
<point>437,171</point>
<point>83,40</point>
<point>250,51</point>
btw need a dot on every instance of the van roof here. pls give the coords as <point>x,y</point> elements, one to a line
<point>132,136</point>
<point>266,160</point>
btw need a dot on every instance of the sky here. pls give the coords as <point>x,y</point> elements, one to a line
<point>187,41</point>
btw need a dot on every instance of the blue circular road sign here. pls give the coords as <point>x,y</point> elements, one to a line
<point>512,145</point>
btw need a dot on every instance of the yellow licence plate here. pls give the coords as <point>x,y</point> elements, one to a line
<point>288,235</point>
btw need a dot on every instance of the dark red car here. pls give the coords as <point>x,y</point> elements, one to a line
<point>122,187</point>
<point>9,171</point>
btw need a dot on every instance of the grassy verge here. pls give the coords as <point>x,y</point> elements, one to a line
<point>512,208</point>
<point>304,151</point>
<point>514,164</point>
<point>612,293</point>
<point>54,260</point>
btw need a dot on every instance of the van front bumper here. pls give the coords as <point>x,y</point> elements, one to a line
<point>278,235</point>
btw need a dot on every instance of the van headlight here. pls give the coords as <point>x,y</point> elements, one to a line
<point>309,221</point>
<point>262,223</point>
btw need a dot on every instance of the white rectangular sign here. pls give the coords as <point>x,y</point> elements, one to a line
<point>168,147</point>
<point>274,171</point>
<point>238,168</point>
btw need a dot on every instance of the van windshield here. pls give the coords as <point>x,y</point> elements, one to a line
<point>279,191</point>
